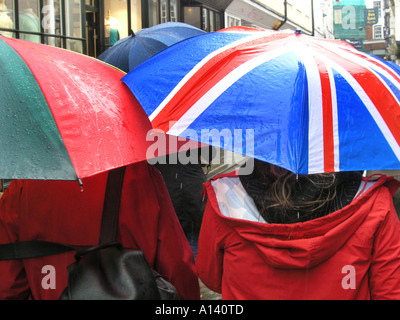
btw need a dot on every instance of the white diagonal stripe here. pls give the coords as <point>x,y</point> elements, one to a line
<point>198,66</point>
<point>395,80</point>
<point>370,107</point>
<point>207,99</point>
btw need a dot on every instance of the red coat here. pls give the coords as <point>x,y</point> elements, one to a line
<point>353,253</point>
<point>61,211</point>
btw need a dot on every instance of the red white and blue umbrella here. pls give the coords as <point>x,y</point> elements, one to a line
<point>309,105</point>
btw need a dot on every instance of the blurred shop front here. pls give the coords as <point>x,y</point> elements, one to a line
<point>207,15</point>
<point>92,26</point>
<point>84,26</point>
<point>54,22</point>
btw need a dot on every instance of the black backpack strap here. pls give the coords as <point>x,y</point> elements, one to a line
<point>112,201</point>
<point>108,231</point>
<point>31,249</point>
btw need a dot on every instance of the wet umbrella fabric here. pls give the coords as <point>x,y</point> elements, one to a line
<point>308,105</point>
<point>64,116</point>
<point>131,51</point>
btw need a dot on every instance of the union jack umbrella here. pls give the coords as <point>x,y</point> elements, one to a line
<point>308,105</point>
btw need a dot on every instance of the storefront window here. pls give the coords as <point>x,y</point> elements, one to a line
<point>161,11</point>
<point>73,25</point>
<point>212,21</point>
<point>51,22</point>
<point>44,21</point>
<point>192,16</point>
<point>232,21</point>
<point>116,21</point>
<point>153,9</point>
<point>136,15</point>
<point>29,20</point>
<point>204,16</point>
<point>218,24</point>
<point>7,17</point>
<point>173,9</point>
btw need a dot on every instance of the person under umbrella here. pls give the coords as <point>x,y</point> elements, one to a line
<point>66,134</point>
<point>184,181</point>
<point>64,212</point>
<point>331,236</point>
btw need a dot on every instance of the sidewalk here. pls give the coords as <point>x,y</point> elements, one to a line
<point>207,294</point>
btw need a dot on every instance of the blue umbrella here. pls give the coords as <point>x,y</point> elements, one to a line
<point>131,51</point>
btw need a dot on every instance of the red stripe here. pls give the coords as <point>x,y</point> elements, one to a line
<point>329,156</point>
<point>377,63</point>
<point>209,75</point>
<point>383,100</point>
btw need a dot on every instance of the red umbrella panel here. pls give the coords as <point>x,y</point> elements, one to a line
<point>64,116</point>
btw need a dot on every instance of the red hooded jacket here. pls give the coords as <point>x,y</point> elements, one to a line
<point>353,253</point>
<point>62,211</point>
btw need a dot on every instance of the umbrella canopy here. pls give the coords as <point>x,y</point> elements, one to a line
<point>64,116</point>
<point>309,105</point>
<point>131,51</point>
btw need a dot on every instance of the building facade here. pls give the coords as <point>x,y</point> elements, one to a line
<point>369,25</point>
<point>375,20</point>
<point>323,19</point>
<point>92,26</point>
<point>392,29</point>
<point>348,21</point>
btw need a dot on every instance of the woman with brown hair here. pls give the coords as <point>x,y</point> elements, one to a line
<point>275,235</point>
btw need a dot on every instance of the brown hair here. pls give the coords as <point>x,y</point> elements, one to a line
<point>294,197</point>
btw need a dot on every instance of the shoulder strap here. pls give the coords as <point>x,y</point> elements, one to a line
<point>112,201</point>
<point>31,249</point>
<point>108,230</point>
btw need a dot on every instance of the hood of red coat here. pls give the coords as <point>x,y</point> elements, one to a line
<point>307,244</point>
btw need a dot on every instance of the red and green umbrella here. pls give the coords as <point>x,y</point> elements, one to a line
<point>63,115</point>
